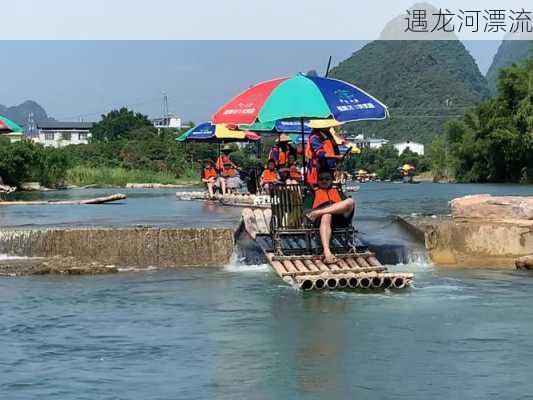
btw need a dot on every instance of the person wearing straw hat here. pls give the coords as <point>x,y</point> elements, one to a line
<point>321,149</point>
<point>281,150</point>
<point>225,158</point>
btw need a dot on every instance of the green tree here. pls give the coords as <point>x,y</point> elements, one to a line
<point>119,124</point>
<point>494,143</point>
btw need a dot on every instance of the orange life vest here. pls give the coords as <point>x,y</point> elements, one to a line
<point>282,156</point>
<point>295,174</point>
<point>209,173</point>
<point>228,172</point>
<point>223,159</point>
<point>329,148</point>
<point>310,153</point>
<point>323,196</point>
<point>269,176</point>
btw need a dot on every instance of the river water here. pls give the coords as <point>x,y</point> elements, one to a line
<point>238,332</point>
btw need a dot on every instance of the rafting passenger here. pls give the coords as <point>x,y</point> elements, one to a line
<point>270,176</point>
<point>322,153</point>
<point>229,179</point>
<point>281,151</point>
<point>328,208</point>
<point>295,174</point>
<point>209,177</point>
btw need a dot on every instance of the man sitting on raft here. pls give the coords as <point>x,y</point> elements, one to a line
<point>209,176</point>
<point>329,208</point>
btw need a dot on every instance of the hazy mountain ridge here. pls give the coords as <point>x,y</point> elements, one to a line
<point>19,113</point>
<point>422,82</point>
<point>509,52</point>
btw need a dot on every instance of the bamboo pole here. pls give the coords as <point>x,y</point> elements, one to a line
<point>97,200</point>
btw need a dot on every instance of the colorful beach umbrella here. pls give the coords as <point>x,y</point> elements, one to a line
<point>8,126</point>
<point>291,125</point>
<point>301,96</point>
<point>208,132</point>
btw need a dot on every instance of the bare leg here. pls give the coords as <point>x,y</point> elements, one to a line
<point>210,188</point>
<point>223,185</point>
<point>342,207</point>
<point>325,234</point>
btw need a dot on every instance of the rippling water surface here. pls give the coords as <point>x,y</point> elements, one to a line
<point>237,332</point>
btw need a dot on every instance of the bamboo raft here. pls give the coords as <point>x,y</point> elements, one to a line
<point>97,200</point>
<point>234,199</point>
<point>359,269</point>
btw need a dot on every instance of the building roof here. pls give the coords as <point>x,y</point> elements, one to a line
<point>65,125</point>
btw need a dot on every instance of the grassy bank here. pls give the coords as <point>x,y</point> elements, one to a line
<point>107,176</point>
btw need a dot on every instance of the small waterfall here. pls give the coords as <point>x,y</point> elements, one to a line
<point>392,254</point>
<point>17,242</point>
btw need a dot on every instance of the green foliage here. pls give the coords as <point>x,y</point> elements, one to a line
<point>109,176</point>
<point>423,83</point>
<point>439,159</point>
<point>494,143</point>
<point>509,52</point>
<point>120,124</point>
<point>25,161</point>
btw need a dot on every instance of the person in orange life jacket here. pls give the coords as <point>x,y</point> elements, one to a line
<point>227,169</point>
<point>270,176</point>
<point>295,176</point>
<point>322,153</point>
<point>209,176</point>
<point>224,158</point>
<point>281,151</point>
<point>329,208</point>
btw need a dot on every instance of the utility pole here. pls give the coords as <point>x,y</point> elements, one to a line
<point>30,125</point>
<point>165,105</point>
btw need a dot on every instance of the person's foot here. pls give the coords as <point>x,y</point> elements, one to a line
<point>330,259</point>
<point>312,215</point>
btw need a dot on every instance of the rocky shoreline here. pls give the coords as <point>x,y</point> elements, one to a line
<point>481,231</point>
<point>53,266</point>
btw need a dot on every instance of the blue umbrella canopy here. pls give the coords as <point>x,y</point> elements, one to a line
<point>208,132</point>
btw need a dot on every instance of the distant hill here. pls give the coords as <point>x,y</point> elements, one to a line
<point>19,114</point>
<point>422,82</point>
<point>509,52</point>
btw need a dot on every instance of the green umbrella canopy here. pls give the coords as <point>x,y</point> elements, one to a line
<point>8,126</point>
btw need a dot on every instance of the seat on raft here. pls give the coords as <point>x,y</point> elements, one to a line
<point>293,234</point>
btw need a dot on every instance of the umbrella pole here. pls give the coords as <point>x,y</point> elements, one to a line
<point>303,149</point>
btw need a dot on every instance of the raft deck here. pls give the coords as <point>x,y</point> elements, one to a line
<point>355,269</point>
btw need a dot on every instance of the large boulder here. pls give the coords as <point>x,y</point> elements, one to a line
<point>493,207</point>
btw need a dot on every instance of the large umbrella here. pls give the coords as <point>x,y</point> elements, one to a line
<point>302,97</point>
<point>8,126</point>
<point>208,132</point>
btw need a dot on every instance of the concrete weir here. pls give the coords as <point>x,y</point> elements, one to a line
<point>132,247</point>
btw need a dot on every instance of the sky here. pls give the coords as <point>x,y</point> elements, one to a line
<point>80,80</point>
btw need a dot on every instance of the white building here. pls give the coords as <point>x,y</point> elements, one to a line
<point>417,148</point>
<point>61,134</point>
<point>370,143</point>
<point>171,121</point>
